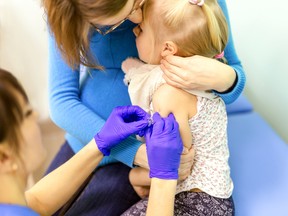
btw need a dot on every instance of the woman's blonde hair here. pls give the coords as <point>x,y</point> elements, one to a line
<point>69,21</point>
<point>196,30</point>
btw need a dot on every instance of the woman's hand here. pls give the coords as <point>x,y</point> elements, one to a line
<point>198,73</point>
<point>122,122</point>
<point>186,163</point>
<point>164,147</point>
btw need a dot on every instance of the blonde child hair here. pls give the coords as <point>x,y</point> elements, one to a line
<point>196,30</point>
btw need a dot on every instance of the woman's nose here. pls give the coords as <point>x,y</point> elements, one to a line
<point>136,17</point>
<point>136,30</point>
<point>36,115</point>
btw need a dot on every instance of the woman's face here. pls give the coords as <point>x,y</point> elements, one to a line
<point>32,152</point>
<point>125,13</point>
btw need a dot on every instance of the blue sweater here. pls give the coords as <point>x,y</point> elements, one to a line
<point>81,109</point>
<point>16,210</point>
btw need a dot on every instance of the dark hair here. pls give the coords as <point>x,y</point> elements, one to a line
<point>11,114</point>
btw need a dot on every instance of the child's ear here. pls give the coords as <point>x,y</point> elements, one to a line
<point>169,48</point>
<point>7,164</point>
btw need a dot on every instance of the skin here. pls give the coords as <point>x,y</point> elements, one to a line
<point>161,197</point>
<point>144,36</point>
<point>42,198</point>
<point>32,140</point>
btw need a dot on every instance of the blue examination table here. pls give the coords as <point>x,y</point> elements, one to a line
<point>258,161</point>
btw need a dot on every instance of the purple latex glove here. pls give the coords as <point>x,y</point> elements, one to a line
<point>122,122</point>
<point>164,147</point>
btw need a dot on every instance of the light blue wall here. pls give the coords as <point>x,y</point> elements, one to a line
<point>260,31</point>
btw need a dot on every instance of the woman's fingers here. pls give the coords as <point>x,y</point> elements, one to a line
<point>171,69</point>
<point>173,81</point>
<point>175,61</point>
<point>175,75</point>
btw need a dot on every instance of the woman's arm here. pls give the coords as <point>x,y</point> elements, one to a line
<point>161,197</point>
<point>164,148</point>
<point>55,189</point>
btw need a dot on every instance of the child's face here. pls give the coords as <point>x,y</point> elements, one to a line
<point>148,50</point>
<point>32,151</point>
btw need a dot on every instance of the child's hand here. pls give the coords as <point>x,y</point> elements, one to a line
<point>142,191</point>
<point>186,163</point>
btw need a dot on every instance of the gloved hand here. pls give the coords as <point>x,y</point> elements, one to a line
<point>164,147</point>
<point>122,122</point>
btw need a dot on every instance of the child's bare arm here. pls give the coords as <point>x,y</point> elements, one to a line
<point>183,105</point>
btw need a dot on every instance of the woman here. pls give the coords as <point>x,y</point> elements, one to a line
<point>21,152</point>
<point>98,35</point>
